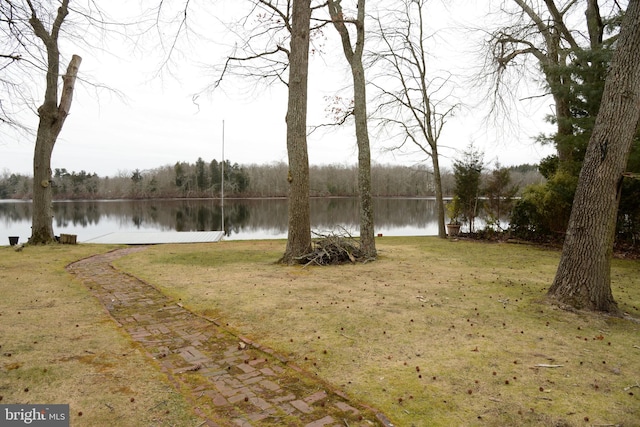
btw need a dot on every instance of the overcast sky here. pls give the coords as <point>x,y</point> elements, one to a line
<point>157,123</point>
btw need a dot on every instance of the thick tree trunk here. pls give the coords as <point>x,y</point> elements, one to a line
<point>52,118</point>
<point>583,277</point>
<point>299,237</point>
<point>42,218</point>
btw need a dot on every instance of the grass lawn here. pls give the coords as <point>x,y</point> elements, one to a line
<point>434,333</point>
<point>59,345</point>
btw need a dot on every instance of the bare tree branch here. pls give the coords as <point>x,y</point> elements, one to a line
<point>540,31</point>
<point>412,97</point>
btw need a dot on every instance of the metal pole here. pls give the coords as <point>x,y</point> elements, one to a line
<point>222,179</point>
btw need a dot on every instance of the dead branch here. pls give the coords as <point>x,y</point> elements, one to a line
<point>334,249</point>
<point>632,386</point>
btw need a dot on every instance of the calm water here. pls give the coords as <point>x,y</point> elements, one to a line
<point>243,219</point>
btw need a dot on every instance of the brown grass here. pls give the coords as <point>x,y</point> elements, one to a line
<point>58,345</point>
<point>434,333</point>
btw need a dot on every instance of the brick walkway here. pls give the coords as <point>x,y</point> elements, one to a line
<point>228,380</point>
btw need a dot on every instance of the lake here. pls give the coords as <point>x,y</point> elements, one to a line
<point>243,218</point>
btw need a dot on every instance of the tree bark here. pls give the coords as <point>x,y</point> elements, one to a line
<point>437,181</point>
<point>583,277</point>
<point>51,119</point>
<point>367,239</point>
<point>299,237</point>
<point>354,58</point>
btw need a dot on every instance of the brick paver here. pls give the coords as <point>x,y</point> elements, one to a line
<point>229,381</point>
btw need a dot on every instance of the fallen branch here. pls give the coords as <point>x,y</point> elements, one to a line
<point>544,365</point>
<point>334,249</point>
<point>632,386</point>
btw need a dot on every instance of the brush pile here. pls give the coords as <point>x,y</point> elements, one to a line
<point>333,250</point>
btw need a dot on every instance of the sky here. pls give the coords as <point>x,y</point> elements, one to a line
<point>153,121</point>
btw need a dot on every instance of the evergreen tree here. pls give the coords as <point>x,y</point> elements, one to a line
<point>467,172</point>
<point>546,209</point>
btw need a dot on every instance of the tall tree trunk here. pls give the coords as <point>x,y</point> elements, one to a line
<point>367,239</point>
<point>354,58</point>
<point>52,118</point>
<point>299,237</point>
<point>583,277</point>
<point>437,180</point>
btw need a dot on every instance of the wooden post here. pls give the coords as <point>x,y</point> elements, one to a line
<point>68,239</point>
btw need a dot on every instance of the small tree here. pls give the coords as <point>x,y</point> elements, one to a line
<point>411,88</point>
<point>454,210</point>
<point>467,172</point>
<point>499,193</point>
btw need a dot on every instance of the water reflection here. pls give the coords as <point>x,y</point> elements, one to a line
<point>243,219</point>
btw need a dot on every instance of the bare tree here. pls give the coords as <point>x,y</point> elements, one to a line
<point>277,50</point>
<point>408,91</point>
<point>33,29</point>
<point>541,30</point>
<point>583,279</point>
<point>353,54</point>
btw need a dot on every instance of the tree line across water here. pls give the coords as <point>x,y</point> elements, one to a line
<point>526,199</point>
<point>202,180</point>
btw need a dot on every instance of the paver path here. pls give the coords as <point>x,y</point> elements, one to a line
<point>229,381</point>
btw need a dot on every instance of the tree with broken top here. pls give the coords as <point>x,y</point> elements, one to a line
<point>33,29</point>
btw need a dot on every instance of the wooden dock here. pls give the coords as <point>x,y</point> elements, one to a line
<point>157,237</point>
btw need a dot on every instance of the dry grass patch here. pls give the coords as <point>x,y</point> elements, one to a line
<point>58,345</point>
<point>434,333</point>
